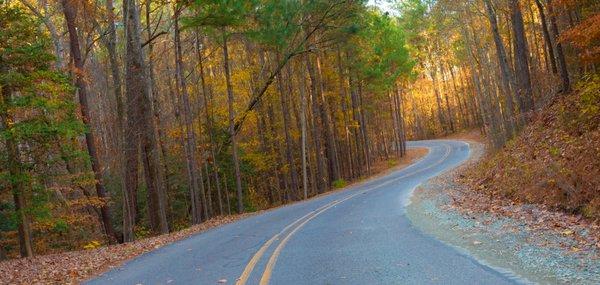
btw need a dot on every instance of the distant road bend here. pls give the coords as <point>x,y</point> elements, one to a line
<point>357,236</point>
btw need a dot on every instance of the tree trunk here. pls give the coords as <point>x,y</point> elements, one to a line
<point>395,121</point>
<point>458,98</point>
<point>505,69</point>
<point>70,12</point>
<point>141,129</point>
<point>332,163</point>
<point>234,146</point>
<point>356,123</point>
<point>547,39</point>
<point>447,99</point>
<point>162,170</point>
<point>562,64</point>
<point>349,157</point>
<point>397,102</point>
<point>316,129</point>
<point>302,88</point>
<point>363,129</point>
<point>206,88</point>
<point>195,181</point>
<point>286,130</point>
<point>438,100</point>
<point>521,58</point>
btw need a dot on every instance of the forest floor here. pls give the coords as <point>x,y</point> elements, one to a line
<point>529,209</point>
<point>76,266</point>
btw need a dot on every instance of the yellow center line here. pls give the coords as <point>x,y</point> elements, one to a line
<point>271,264</point>
<point>252,263</point>
<point>273,259</point>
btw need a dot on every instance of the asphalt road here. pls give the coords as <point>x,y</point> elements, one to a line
<point>357,236</point>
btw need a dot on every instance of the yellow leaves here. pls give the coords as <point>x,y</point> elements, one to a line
<point>259,160</point>
<point>84,202</point>
<point>175,133</point>
<point>10,122</point>
<point>92,245</point>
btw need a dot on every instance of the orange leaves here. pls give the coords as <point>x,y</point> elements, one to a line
<point>550,163</point>
<point>586,38</point>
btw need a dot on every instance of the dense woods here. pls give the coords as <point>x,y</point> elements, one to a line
<point>493,64</point>
<point>126,119</point>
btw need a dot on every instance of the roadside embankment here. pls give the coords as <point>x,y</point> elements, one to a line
<point>526,241</point>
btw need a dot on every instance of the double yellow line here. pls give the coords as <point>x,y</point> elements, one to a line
<point>295,226</point>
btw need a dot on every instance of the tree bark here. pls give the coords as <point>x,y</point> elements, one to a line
<point>521,58</point>
<point>70,12</point>
<point>195,181</point>
<point>142,129</point>
<point>447,99</point>
<point>206,88</point>
<point>438,99</point>
<point>232,132</point>
<point>332,162</point>
<point>356,128</point>
<point>316,129</point>
<point>363,128</point>
<point>158,224</point>
<point>562,63</point>
<point>302,89</point>
<point>286,130</point>
<point>547,39</point>
<point>505,69</point>
<point>349,157</point>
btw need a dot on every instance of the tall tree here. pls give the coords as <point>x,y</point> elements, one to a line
<point>70,12</point>
<point>38,121</point>
<point>560,56</point>
<point>546,34</point>
<point>195,179</point>
<point>141,134</point>
<point>505,70</point>
<point>521,59</point>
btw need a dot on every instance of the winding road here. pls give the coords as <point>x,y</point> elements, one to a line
<point>356,236</point>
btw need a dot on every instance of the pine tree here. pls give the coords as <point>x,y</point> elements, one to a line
<point>38,125</point>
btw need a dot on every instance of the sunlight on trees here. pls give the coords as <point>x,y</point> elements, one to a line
<point>188,110</point>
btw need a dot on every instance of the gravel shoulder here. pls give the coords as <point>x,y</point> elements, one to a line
<point>526,241</point>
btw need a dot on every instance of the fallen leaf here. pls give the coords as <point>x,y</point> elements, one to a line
<point>567,232</point>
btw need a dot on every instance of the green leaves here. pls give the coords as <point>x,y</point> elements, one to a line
<point>383,56</point>
<point>276,22</point>
<point>37,112</point>
<point>220,14</point>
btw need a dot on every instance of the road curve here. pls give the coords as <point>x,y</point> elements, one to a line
<point>357,236</point>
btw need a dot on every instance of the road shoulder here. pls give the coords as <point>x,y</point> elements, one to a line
<point>514,244</point>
